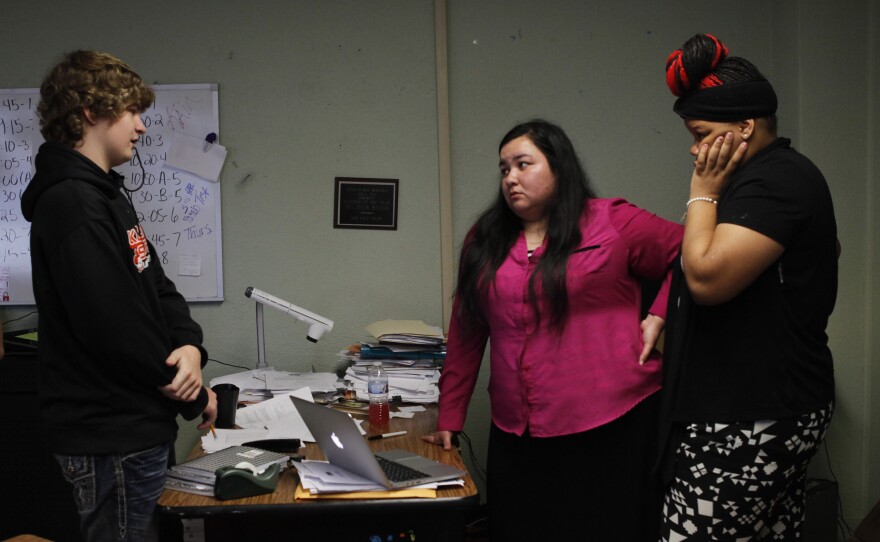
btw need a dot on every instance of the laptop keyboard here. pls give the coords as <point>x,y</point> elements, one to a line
<point>397,472</point>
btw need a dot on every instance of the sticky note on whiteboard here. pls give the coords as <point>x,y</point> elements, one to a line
<point>190,265</point>
<point>196,156</point>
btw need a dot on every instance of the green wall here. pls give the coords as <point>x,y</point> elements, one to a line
<point>314,90</point>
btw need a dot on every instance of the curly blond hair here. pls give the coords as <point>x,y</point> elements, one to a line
<point>98,81</point>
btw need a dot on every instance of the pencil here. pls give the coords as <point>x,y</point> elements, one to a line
<point>213,432</point>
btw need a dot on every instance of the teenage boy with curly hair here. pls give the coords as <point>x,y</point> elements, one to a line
<point>120,356</point>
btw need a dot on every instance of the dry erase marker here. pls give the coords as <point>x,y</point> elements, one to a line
<point>387,435</point>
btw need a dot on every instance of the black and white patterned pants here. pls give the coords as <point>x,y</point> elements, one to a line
<point>742,481</point>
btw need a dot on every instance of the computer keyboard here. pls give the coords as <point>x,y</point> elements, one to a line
<point>397,472</point>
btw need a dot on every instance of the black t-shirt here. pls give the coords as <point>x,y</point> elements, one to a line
<point>764,354</point>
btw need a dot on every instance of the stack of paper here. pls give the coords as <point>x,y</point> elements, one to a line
<point>412,354</point>
<point>320,477</point>
<point>406,332</point>
<point>403,354</point>
<point>394,356</point>
<point>410,384</point>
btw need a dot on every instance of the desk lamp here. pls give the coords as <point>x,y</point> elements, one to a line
<point>318,325</point>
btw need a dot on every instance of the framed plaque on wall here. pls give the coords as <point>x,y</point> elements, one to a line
<point>365,203</point>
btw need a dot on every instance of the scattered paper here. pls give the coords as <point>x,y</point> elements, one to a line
<point>231,437</point>
<point>320,477</point>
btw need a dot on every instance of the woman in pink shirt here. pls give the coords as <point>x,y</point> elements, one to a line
<point>552,277</point>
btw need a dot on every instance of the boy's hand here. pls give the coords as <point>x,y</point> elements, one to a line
<point>188,381</point>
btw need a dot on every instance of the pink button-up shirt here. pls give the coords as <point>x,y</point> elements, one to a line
<point>559,382</point>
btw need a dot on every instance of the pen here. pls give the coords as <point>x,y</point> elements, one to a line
<point>213,432</point>
<point>387,435</point>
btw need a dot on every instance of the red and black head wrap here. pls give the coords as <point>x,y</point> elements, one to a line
<point>712,86</point>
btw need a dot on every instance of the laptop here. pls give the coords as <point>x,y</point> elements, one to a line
<point>342,443</point>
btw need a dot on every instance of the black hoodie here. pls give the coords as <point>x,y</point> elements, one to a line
<point>108,315</point>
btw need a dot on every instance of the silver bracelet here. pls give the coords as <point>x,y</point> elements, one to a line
<point>698,198</point>
<point>701,198</point>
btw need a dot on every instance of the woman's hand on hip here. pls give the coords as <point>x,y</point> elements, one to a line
<point>652,326</point>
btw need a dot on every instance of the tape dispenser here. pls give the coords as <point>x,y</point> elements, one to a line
<point>243,480</point>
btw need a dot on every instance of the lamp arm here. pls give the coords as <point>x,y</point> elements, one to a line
<point>318,325</point>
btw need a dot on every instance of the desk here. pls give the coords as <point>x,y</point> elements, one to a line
<point>277,515</point>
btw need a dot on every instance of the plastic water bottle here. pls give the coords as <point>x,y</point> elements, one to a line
<point>377,384</point>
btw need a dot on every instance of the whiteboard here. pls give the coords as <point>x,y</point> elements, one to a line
<point>180,212</point>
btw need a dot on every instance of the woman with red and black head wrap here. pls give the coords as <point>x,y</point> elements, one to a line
<point>748,375</point>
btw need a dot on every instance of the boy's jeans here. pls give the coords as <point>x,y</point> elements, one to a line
<point>116,494</point>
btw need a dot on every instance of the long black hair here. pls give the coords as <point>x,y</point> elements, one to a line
<point>497,229</point>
